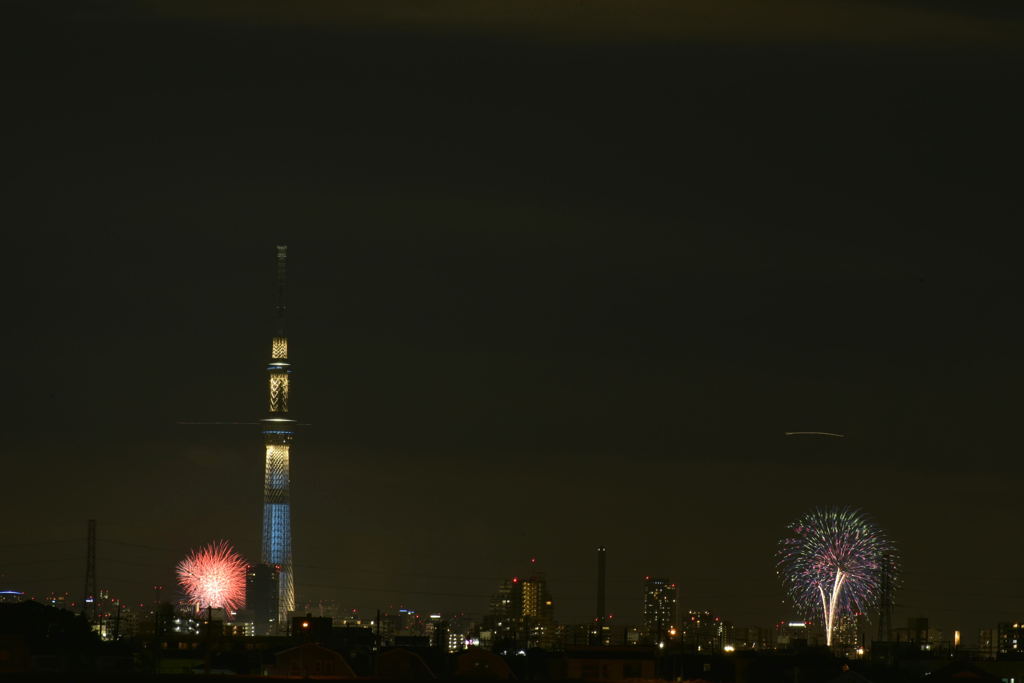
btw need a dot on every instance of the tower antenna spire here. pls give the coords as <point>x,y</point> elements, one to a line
<point>282,276</point>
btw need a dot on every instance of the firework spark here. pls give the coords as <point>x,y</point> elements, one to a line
<point>214,576</point>
<point>835,560</point>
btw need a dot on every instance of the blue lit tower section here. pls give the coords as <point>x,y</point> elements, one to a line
<point>278,430</point>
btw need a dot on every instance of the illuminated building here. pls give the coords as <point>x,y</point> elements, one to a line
<point>262,582</point>
<point>988,643</point>
<point>503,620</point>
<point>704,632</point>
<point>461,632</point>
<point>456,641</point>
<point>186,625</point>
<point>850,632</point>
<point>436,628</point>
<point>118,620</point>
<point>278,430</point>
<point>240,629</point>
<point>522,615</point>
<point>1010,639</point>
<point>12,596</point>
<point>659,609</point>
<point>538,612</point>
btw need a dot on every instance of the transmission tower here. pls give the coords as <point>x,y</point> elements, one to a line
<point>89,595</point>
<point>885,599</point>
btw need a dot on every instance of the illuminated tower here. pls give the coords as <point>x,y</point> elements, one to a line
<point>278,430</point>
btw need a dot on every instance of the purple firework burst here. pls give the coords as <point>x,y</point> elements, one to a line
<point>834,562</point>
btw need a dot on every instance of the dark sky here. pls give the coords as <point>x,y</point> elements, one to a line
<point>561,275</point>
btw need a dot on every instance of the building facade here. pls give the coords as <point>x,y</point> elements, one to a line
<point>262,582</point>
<point>1010,639</point>
<point>703,632</point>
<point>522,615</point>
<point>659,609</point>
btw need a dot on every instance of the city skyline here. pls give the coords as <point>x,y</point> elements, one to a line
<point>426,602</point>
<point>631,610</point>
<point>555,286</point>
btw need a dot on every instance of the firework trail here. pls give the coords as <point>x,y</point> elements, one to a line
<point>214,576</point>
<point>833,561</point>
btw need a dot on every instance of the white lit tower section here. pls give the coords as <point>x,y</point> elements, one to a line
<point>278,430</point>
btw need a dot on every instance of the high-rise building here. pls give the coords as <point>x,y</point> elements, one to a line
<point>278,431</point>
<point>503,619</point>
<point>262,583</point>
<point>659,609</point>
<point>522,615</point>
<point>850,632</point>
<point>538,612</point>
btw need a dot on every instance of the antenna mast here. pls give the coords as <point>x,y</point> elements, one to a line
<point>282,276</point>
<point>89,597</point>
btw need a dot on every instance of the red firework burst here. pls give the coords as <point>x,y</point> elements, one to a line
<point>214,576</point>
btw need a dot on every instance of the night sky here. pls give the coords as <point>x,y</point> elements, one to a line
<point>560,275</point>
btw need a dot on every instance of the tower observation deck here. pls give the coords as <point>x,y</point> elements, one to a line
<point>278,432</point>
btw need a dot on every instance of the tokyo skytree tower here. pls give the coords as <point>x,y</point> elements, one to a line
<point>278,431</point>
